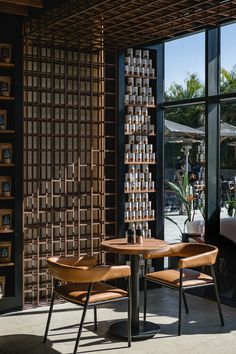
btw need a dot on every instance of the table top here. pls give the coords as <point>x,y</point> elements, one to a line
<point>149,245</point>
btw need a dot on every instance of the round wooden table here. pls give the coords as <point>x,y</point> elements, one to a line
<point>140,329</point>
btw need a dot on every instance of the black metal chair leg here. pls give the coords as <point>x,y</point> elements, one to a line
<point>180,302</point>
<point>82,319</point>
<point>145,299</point>
<point>129,313</point>
<point>95,318</point>
<point>49,318</point>
<point>185,303</point>
<point>217,297</point>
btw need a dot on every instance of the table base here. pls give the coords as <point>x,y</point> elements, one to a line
<point>146,330</point>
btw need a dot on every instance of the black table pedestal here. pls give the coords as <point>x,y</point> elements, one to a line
<point>145,330</point>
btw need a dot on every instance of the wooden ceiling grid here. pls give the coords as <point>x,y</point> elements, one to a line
<point>118,24</point>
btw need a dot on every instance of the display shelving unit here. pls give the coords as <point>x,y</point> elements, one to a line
<point>11,271</point>
<point>134,168</point>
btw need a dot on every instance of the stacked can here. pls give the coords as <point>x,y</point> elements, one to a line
<point>139,152</point>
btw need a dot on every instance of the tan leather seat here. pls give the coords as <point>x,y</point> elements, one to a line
<point>83,284</point>
<point>190,255</point>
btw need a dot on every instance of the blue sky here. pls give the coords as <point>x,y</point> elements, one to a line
<point>187,54</point>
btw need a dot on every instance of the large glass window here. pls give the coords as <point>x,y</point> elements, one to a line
<point>184,155</point>
<point>227,156</point>
<point>185,67</point>
<point>228,58</point>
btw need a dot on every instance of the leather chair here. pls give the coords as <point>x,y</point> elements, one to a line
<point>83,284</point>
<point>190,255</point>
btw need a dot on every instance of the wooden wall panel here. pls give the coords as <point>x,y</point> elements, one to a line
<point>65,159</point>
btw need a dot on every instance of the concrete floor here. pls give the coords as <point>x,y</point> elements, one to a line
<point>21,332</point>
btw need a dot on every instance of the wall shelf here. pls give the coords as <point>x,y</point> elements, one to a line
<point>141,134</point>
<point>140,105</point>
<point>139,220</point>
<point>7,231</point>
<point>11,184</point>
<point>140,163</point>
<point>142,191</point>
<point>7,65</point>
<point>7,131</point>
<point>7,98</point>
<point>141,77</point>
<point>7,198</point>
<point>4,265</point>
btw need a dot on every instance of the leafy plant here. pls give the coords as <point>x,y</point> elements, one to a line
<point>184,192</point>
<point>231,206</point>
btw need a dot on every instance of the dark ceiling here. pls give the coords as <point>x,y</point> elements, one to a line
<point>118,24</point>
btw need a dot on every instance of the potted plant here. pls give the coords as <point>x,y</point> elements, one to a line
<point>184,192</point>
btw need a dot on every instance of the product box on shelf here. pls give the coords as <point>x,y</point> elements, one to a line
<point>6,153</point>
<point>5,186</point>
<point>5,251</point>
<point>5,86</point>
<point>5,219</point>
<point>5,52</point>
<point>3,119</point>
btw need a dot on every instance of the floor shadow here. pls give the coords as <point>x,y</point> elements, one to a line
<point>25,344</point>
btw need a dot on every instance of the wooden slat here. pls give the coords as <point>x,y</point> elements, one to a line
<point>118,24</point>
<point>31,3</point>
<point>13,9</point>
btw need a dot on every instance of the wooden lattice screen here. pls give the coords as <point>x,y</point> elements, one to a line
<point>69,157</point>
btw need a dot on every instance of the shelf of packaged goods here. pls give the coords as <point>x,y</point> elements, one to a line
<point>142,191</point>
<point>139,163</point>
<point>6,65</point>
<point>7,164</point>
<point>7,198</point>
<point>140,105</point>
<point>7,98</point>
<point>7,231</point>
<point>139,220</point>
<point>7,131</point>
<point>10,264</point>
<point>141,77</point>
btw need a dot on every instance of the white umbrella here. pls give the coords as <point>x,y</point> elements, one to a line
<point>178,129</point>
<point>227,131</point>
